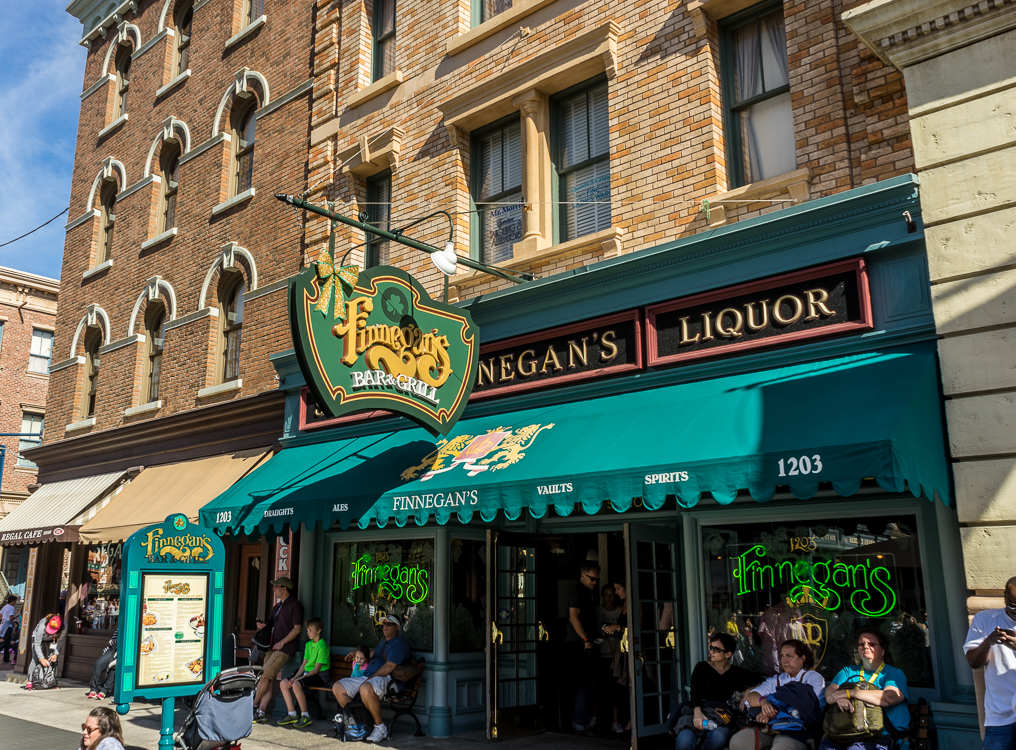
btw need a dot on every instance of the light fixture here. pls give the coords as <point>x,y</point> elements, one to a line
<point>446,260</point>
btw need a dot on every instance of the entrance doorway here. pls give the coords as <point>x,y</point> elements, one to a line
<point>530,684</point>
<point>253,590</point>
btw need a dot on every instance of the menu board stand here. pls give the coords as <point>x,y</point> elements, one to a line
<point>171,595</point>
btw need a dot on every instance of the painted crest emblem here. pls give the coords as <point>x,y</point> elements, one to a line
<point>179,522</point>
<point>493,451</point>
<point>813,630</point>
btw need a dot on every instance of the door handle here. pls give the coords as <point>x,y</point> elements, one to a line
<point>670,642</point>
<point>624,640</point>
<point>495,633</point>
<point>543,635</point>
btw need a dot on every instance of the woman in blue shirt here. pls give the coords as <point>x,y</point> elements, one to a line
<point>891,694</point>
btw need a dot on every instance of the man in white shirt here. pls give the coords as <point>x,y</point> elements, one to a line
<point>991,643</point>
<point>7,615</point>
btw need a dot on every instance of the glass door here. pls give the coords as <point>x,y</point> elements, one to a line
<point>513,705</point>
<point>654,654</point>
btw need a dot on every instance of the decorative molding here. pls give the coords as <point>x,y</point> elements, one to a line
<point>82,10</point>
<point>73,426</point>
<point>239,86</point>
<point>96,270</point>
<point>148,180</point>
<point>122,343</point>
<point>96,86</point>
<point>796,183</point>
<point>114,125</point>
<point>94,315</point>
<point>162,91</point>
<point>143,408</point>
<point>372,155</point>
<point>234,201</point>
<point>491,26</point>
<point>122,31</point>
<point>90,214</point>
<point>156,288</point>
<point>169,126</point>
<point>380,86</point>
<point>159,238</point>
<point>152,42</point>
<point>106,173</point>
<point>215,140</point>
<point>227,387</point>
<point>207,312</point>
<point>66,363</point>
<point>286,98</point>
<point>580,58</point>
<point>265,290</point>
<point>253,26</point>
<point>227,259</point>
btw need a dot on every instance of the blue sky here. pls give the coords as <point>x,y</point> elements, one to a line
<point>41,65</point>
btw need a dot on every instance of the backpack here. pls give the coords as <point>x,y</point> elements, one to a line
<point>865,722</point>
<point>354,723</point>
<point>787,719</point>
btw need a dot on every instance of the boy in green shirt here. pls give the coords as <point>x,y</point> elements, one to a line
<point>313,672</point>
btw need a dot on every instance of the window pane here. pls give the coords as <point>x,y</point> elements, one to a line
<point>1,335</point>
<point>31,424</point>
<point>502,227</point>
<point>574,131</point>
<point>469,587</point>
<point>819,581</point>
<point>41,351</point>
<point>386,17</point>
<point>100,587</point>
<point>491,8</point>
<point>768,133</point>
<point>587,199</point>
<point>773,41</point>
<point>599,125</point>
<point>379,198</point>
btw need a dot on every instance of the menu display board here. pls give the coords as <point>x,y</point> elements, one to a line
<point>174,615</point>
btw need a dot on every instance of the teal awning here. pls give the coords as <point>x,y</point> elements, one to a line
<point>840,421</point>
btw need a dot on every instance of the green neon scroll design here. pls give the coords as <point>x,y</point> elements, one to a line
<point>397,580</point>
<point>824,583</point>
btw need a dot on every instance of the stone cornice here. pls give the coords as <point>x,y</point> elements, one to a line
<point>906,32</point>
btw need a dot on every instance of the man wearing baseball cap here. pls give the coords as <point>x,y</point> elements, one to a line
<point>286,622</point>
<point>389,654</point>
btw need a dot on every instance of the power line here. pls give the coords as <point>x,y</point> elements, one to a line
<point>37,228</point>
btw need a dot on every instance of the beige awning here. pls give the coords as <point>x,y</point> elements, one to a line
<point>173,488</point>
<point>49,514</point>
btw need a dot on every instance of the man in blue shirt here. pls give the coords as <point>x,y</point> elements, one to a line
<point>389,654</point>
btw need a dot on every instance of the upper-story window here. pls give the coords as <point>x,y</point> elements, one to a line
<point>123,72</point>
<point>490,8</point>
<point>383,30</point>
<point>497,188</point>
<point>583,161</point>
<point>170,180</point>
<point>244,125</point>
<point>184,27</point>
<point>252,11</point>
<point>379,211</point>
<point>93,340</point>
<point>31,436</point>
<point>759,122</point>
<point>155,332</point>
<point>41,351</point>
<point>231,315</point>
<point>107,220</point>
<point>1,335</point>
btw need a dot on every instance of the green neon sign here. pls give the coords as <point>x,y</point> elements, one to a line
<point>866,588</point>
<point>399,581</point>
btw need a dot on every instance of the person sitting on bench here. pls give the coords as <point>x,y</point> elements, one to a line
<point>390,653</point>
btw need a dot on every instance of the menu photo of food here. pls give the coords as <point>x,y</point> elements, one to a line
<point>172,629</point>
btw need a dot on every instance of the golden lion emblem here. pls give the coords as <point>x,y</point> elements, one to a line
<point>496,449</point>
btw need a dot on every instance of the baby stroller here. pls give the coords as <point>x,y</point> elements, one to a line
<point>222,712</point>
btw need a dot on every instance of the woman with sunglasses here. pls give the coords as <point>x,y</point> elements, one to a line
<point>101,730</point>
<point>713,683</point>
<point>890,692</point>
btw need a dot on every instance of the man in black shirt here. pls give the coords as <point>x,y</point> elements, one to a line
<point>580,654</point>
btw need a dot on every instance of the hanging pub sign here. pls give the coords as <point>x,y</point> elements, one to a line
<point>817,302</point>
<point>376,340</point>
<point>171,627</point>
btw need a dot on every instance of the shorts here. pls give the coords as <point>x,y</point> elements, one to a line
<point>352,685</point>
<point>315,681</point>
<point>274,662</point>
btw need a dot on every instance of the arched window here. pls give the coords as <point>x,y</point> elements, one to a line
<point>123,72</point>
<point>170,178</point>
<point>93,340</point>
<point>155,332</point>
<point>108,219</point>
<point>184,24</point>
<point>243,149</point>
<point>231,316</point>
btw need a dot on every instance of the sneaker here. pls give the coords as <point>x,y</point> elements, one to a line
<point>91,694</point>
<point>592,723</point>
<point>28,686</point>
<point>578,727</point>
<point>616,728</point>
<point>100,696</point>
<point>259,717</point>
<point>289,719</point>
<point>305,721</point>
<point>379,733</point>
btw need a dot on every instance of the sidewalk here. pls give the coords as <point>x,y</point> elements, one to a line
<point>66,708</point>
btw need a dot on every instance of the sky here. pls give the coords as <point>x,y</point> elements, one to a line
<point>41,68</point>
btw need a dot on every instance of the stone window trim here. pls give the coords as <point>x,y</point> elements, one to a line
<point>198,4</point>
<point>135,411</point>
<point>491,26</point>
<point>797,184</point>
<point>241,84</point>
<point>125,32</point>
<point>162,91</point>
<point>701,11</point>
<point>391,81</point>
<point>81,424</point>
<point>245,32</point>
<point>106,172</point>
<point>113,125</point>
<point>102,267</point>
<point>99,28</point>
<point>157,289</point>
<point>94,317</point>
<point>374,154</point>
<point>229,257</point>
<point>230,386</point>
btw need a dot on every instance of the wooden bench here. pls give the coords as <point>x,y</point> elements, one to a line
<point>401,703</point>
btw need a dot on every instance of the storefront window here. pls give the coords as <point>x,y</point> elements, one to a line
<point>469,594</point>
<point>819,581</point>
<point>100,587</point>
<point>376,578</point>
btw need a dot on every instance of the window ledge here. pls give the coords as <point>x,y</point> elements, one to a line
<point>26,469</point>
<point>90,422</point>
<point>143,408</point>
<point>797,183</point>
<point>234,201</point>
<point>493,25</point>
<point>114,125</point>
<point>244,33</point>
<point>40,375</point>
<point>607,240</point>
<point>159,238</point>
<point>389,82</point>
<point>173,84</point>
<point>227,387</point>
<point>105,265</point>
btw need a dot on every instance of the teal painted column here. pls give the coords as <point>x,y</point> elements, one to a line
<point>166,733</point>
<point>440,711</point>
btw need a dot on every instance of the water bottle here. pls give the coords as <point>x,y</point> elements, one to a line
<point>709,725</point>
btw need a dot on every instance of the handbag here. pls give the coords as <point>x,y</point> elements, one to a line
<point>865,722</point>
